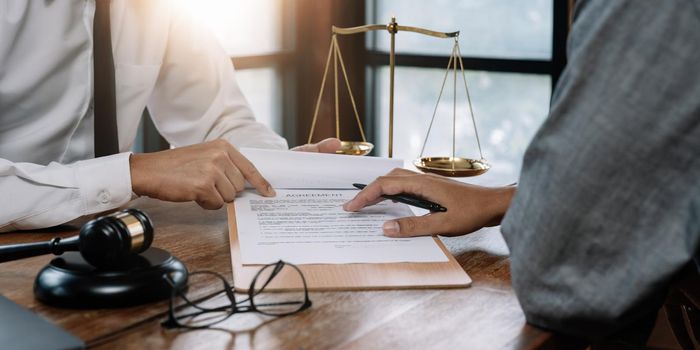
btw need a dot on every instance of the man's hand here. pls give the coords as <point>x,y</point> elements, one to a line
<point>469,207</point>
<point>326,146</point>
<point>209,173</point>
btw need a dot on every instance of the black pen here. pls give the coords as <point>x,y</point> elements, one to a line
<point>410,200</point>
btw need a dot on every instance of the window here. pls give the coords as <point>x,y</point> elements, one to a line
<point>509,51</point>
<point>252,33</point>
<point>498,29</point>
<point>262,89</point>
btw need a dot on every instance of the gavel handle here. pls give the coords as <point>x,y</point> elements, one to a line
<point>25,250</point>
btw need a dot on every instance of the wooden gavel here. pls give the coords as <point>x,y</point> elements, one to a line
<point>102,242</point>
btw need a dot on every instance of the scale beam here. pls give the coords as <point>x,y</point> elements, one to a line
<point>399,28</point>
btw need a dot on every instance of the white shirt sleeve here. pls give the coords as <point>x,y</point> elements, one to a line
<point>36,196</point>
<point>196,96</point>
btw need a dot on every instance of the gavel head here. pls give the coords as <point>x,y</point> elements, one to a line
<point>106,240</point>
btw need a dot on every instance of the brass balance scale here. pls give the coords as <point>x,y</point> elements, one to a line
<point>451,166</point>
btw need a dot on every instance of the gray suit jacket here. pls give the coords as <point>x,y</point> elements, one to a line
<point>608,204</point>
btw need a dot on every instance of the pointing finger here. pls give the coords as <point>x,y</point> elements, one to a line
<point>250,172</point>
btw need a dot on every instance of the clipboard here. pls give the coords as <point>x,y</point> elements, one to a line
<point>364,276</point>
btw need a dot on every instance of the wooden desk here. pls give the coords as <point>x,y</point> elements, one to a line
<point>485,316</point>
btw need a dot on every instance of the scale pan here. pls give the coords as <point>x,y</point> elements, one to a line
<point>355,148</point>
<point>452,167</point>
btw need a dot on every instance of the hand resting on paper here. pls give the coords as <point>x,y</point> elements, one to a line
<point>469,207</point>
<point>329,145</point>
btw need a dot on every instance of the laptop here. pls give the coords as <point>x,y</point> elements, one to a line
<point>22,329</point>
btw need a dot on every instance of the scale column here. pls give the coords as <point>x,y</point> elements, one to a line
<point>392,28</point>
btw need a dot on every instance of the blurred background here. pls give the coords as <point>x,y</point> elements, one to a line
<point>513,50</point>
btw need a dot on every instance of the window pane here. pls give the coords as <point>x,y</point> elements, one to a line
<point>261,87</point>
<point>243,28</point>
<point>489,28</point>
<point>508,107</point>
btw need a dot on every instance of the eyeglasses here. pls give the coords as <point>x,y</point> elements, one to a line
<point>207,312</point>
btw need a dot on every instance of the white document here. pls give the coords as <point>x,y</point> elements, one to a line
<point>310,226</point>
<point>290,169</point>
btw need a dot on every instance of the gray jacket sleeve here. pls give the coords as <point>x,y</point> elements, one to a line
<point>608,206</point>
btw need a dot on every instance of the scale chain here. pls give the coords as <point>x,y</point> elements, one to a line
<point>334,51</point>
<point>320,94</point>
<point>347,85</point>
<point>437,104</point>
<point>455,57</point>
<point>469,100</point>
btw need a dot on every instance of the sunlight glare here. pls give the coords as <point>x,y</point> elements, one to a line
<point>243,27</point>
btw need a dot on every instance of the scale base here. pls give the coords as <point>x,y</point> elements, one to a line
<point>452,166</point>
<point>70,282</point>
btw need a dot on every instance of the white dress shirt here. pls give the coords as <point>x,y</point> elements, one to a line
<point>163,60</point>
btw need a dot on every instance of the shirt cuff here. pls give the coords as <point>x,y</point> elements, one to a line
<point>105,182</point>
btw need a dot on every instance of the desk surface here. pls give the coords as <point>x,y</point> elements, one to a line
<point>485,316</point>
